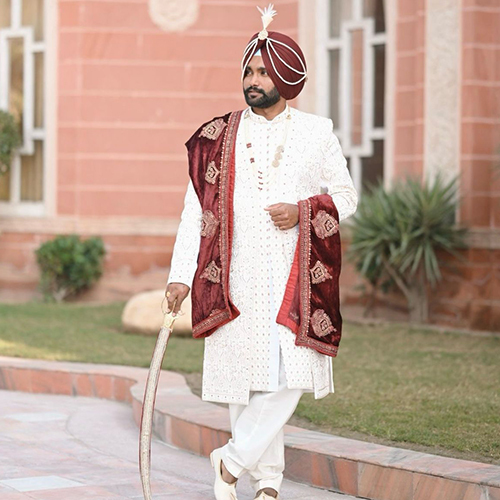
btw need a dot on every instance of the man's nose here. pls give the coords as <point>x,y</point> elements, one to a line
<point>254,80</point>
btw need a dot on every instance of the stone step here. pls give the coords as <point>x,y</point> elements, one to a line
<point>337,464</point>
<point>61,447</point>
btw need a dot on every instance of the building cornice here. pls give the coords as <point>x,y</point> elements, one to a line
<point>91,226</point>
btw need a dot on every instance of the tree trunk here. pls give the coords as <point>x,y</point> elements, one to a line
<point>415,291</point>
<point>418,303</point>
<point>371,302</point>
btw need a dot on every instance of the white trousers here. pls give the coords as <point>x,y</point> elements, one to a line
<point>257,445</point>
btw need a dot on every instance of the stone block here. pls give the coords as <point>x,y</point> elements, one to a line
<point>82,385</point>
<point>480,318</point>
<point>143,314</point>
<point>121,389</point>
<point>102,386</point>
<point>186,435</point>
<point>385,483</point>
<point>298,465</point>
<point>212,438</point>
<point>50,382</point>
<point>493,493</point>
<point>334,473</point>
<point>437,488</point>
<point>21,379</point>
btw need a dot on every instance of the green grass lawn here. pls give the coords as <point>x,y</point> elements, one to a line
<point>414,387</point>
<point>91,334</point>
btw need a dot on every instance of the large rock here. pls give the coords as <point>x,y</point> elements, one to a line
<point>143,314</point>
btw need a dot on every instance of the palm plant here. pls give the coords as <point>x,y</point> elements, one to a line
<point>10,140</point>
<point>397,234</point>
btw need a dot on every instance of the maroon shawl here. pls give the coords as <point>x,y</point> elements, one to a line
<point>211,168</point>
<point>311,304</point>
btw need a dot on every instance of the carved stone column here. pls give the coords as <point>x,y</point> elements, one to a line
<point>442,88</point>
<point>308,43</point>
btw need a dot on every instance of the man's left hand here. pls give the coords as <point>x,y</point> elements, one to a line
<point>284,215</point>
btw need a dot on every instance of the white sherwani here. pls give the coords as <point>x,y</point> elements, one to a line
<point>243,355</point>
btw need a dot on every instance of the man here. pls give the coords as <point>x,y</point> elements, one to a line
<point>266,305</point>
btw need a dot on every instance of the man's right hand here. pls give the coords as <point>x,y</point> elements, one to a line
<point>175,294</point>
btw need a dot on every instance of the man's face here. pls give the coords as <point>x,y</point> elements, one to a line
<point>258,87</point>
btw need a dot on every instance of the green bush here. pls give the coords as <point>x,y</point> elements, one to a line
<point>397,234</point>
<point>69,265</point>
<point>10,139</point>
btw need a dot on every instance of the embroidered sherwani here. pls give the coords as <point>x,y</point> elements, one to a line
<point>244,355</point>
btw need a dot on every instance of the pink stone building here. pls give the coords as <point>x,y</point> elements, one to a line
<point>108,91</point>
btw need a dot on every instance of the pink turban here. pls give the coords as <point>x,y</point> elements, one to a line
<point>284,61</point>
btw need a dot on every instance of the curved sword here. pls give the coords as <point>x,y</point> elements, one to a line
<point>148,403</point>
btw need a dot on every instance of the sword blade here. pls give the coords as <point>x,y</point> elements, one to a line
<point>148,405</point>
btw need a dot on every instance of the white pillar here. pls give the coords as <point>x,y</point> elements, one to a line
<point>442,88</point>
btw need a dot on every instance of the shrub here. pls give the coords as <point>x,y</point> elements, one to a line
<point>10,139</point>
<point>68,265</point>
<point>397,234</point>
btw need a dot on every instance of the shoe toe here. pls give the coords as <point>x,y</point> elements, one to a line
<point>222,490</point>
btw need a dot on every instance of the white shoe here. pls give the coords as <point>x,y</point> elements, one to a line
<point>222,490</point>
<point>265,496</point>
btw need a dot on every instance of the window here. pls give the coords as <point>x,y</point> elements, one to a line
<point>22,61</point>
<point>352,57</point>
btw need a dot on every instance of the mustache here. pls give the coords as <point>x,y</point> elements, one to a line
<point>254,89</point>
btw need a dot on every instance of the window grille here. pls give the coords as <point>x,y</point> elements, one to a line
<point>22,61</point>
<point>351,81</point>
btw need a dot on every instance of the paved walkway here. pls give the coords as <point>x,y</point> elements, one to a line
<point>94,444</point>
<point>77,448</point>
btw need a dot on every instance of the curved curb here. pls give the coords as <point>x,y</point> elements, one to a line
<point>343,465</point>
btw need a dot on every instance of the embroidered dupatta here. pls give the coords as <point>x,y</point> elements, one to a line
<point>211,169</point>
<point>310,306</point>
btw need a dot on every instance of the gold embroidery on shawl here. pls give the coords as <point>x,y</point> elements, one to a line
<point>212,173</point>
<point>224,194</point>
<point>321,323</point>
<point>212,273</point>
<point>208,224</point>
<point>319,273</point>
<point>324,225</point>
<point>305,256</point>
<point>214,129</point>
<point>215,318</point>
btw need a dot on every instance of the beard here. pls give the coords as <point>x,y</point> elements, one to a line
<point>265,100</point>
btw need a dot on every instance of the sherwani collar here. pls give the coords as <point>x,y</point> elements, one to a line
<point>260,119</point>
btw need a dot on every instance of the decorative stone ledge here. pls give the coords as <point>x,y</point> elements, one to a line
<point>344,465</point>
<point>126,226</point>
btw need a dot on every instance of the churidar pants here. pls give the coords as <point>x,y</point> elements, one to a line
<point>257,444</point>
